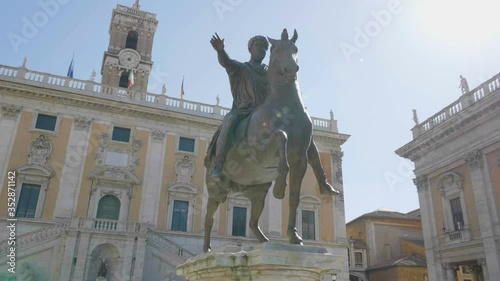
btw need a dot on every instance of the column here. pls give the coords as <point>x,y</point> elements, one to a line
<point>484,269</point>
<point>484,200</point>
<point>153,178</point>
<point>428,226</point>
<point>338,201</point>
<point>68,254</point>
<point>128,255</point>
<point>72,172</point>
<point>140,258</point>
<point>451,272</point>
<point>81,259</point>
<point>8,126</point>
<point>339,209</point>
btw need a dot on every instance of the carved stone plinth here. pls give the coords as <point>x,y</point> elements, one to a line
<point>264,262</point>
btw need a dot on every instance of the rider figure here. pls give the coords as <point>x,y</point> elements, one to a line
<point>249,88</point>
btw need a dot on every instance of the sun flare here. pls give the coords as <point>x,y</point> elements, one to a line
<point>463,22</point>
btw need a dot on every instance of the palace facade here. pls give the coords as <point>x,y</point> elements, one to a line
<point>457,167</point>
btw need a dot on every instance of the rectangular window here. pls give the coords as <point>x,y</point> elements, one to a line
<point>308,225</point>
<point>121,134</point>
<point>180,215</point>
<point>239,221</point>
<point>456,212</point>
<point>46,122</point>
<point>186,144</point>
<point>26,207</point>
<point>358,259</point>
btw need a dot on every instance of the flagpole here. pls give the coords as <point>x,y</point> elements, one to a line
<point>182,88</point>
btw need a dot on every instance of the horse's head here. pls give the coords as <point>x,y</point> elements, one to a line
<point>284,58</point>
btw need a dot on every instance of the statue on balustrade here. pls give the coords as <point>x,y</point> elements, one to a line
<point>266,134</point>
<point>464,86</point>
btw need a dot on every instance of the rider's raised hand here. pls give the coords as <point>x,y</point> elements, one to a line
<point>217,42</point>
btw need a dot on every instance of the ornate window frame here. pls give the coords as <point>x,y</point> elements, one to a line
<point>36,171</point>
<point>309,202</point>
<point>35,118</point>
<point>183,192</point>
<point>238,200</point>
<point>450,185</point>
<point>34,175</point>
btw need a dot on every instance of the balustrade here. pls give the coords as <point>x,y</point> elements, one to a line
<point>91,88</point>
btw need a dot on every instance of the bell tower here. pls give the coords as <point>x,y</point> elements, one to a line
<point>131,35</point>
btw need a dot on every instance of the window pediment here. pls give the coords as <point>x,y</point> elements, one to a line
<point>115,174</point>
<point>183,188</point>
<point>35,170</point>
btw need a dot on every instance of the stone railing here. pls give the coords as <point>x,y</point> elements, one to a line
<point>108,225</point>
<point>36,236</point>
<point>90,88</point>
<point>458,236</point>
<point>491,86</point>
<point>168,245</point>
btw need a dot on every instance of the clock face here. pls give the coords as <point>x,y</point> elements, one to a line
<point>129,58</point>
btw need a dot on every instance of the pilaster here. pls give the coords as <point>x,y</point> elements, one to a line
<point>8,127</point>
<point>153,177</point>
<point>72,172</point>
<point>487,217</point>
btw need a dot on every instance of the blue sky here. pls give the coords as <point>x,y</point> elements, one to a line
<point>411,57</point>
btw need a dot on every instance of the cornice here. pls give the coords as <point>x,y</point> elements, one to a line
<point>459,125</point>
<point>108,105</point>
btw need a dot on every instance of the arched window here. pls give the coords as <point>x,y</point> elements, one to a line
<point>108,208</point>
<point>132,39</point>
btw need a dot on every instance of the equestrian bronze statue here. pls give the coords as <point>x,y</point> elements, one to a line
<point>266,136</point>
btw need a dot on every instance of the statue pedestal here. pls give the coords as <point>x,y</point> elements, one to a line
<point>101,279</point>
<point>263,262</point>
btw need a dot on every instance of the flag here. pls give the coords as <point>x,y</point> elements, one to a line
<point>71,67</point>
<point>182,88</point>
<point>131,78</point>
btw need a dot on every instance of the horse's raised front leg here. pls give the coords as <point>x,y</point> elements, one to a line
<point>298,166</point>
<point>319,173</point>
<point>283,168</point>
<point>257,195</point>
<point>212,206</point>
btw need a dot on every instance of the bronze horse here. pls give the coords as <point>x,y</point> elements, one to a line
<point>270,143</point>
